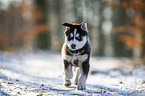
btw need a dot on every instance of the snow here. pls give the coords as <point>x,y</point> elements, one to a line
<point>40,73</point>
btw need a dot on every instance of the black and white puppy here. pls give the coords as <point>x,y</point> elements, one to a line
<point>76,52</point>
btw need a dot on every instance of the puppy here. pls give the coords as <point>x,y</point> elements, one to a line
<point>76,52</point>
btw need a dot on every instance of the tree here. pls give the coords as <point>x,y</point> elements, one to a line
<point>133,32</point>
<point>43,38</point>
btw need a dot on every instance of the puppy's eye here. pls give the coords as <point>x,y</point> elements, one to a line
<point>69,38</point>
<point>79,38</point>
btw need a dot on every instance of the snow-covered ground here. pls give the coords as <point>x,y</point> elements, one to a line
<point>40,73</point>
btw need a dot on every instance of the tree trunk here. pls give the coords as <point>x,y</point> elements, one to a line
<point>43,38</point>
<point>119,19</point>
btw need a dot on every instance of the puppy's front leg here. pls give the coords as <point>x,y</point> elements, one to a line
<point>77,76</point>
<point>84,70</point>
<point>68,74</point>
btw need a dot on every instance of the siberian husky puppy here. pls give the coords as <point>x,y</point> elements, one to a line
<point>76,52</point>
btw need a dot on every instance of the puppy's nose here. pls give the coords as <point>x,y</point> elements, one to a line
<point>73,46</point>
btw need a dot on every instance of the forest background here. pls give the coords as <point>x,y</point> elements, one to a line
<point>116,27</point>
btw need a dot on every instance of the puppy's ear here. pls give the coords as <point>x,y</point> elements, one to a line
<point>67,24</point>
<point>84,26</point>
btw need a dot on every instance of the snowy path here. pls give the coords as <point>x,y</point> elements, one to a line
<point>40,73</point>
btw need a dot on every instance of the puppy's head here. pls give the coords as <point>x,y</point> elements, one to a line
<point>76,35</point>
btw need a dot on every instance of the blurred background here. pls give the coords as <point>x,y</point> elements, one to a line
<point>116,27</point>
<point>31,37</point>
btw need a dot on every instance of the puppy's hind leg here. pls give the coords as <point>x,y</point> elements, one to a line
<point>68,74</point>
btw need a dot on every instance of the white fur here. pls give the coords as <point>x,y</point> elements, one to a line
<point>75,31</point>
<point>77,75</point>
<point>71,34</point>
<point>81,58</point>
<point>79,44</point>
<point>81,81</point>
<point>77,35</point>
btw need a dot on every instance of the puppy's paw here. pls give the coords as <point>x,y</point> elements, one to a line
<point>81,87</point>
<point>67,83</point>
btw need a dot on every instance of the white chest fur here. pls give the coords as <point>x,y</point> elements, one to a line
<point>80,58</point>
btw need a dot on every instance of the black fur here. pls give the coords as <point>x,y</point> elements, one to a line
<point>85,67</point>
<point>66,64</point>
